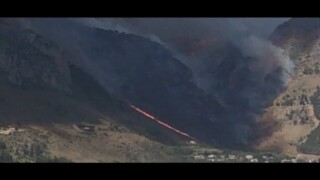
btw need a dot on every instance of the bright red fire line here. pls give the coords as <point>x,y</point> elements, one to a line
<point>162,123</point>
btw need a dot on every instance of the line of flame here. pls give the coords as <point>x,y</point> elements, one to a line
<point>162,123</point>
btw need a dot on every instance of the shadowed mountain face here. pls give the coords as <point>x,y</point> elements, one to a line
<point>144,74</point>
<point>26,56</point>
<point>298,36</point>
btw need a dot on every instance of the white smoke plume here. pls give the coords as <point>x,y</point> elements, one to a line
<point>268,57</point>
<point>111,24</point>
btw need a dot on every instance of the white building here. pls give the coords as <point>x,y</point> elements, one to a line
<point>199,157</point>
<point>249,157</point>
<point>285,160</point>
<point>231,157</point>
<point>294,160</point>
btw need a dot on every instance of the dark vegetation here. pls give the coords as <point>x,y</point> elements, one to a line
<point>315,100</point>
<point>47,159</point>
<point>312,144</point>
<point>311,70</point>
<point>4,154</point>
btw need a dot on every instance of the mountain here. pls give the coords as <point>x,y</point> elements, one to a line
<point>26,56</point>
<point>68,92</point>
<point>143,73</point>
<point>52,110</point>
<point>66,86</point>
<point>298,36</point>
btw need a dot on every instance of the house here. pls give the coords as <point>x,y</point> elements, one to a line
<point>21,130</point>
<point>255,160</point>
<point>285,161</point>
<point>231,157</point>
<point>192,142</point>
<point>294,160</point>
<point>249,157</point>
<point>7,131</point>
<point>211,156</point>
<point>199,157</point>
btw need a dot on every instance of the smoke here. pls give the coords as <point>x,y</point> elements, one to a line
<point>268,72</point>
<point>268,57</point>
<point>110,24</point>
<point>117,24</point>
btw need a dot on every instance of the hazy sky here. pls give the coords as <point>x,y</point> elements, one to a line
<point>168,27</point>
<point>188,32</point>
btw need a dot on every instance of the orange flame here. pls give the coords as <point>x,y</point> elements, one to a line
<point>162,123</point>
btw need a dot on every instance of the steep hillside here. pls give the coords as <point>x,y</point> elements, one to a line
<point>143,73</point>
<point>298,36</point>
<point>294,111</point>
<point>52,110</point>
<point>53,124</point>
<point>27,56</point>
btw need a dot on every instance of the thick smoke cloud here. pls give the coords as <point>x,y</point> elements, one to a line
<point>268,72</point>
<point>268,57</point>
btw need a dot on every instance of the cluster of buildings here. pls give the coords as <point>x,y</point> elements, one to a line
<point>226,158</point>
<point>246,158</point>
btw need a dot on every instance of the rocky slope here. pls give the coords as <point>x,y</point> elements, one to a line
<point>26,56</point>
<point>293,111</point>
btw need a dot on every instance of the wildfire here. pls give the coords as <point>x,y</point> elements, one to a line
<point>162,123</point>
